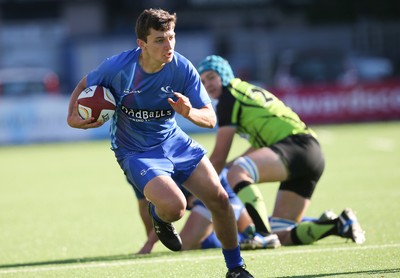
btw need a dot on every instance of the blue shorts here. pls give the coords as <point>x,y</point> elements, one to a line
<point>176,157</point>
<point>199,207</point>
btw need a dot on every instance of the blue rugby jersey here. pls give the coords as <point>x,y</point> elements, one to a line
<point>144,118</point>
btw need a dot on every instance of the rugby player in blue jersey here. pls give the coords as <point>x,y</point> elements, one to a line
<point>150,84</point>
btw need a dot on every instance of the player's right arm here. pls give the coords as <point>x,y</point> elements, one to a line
<point>222,147</point>
<point>73,119</point>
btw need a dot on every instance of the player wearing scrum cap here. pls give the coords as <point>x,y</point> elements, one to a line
<point>282,149</point>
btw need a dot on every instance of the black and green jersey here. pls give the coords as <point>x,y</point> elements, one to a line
<point>257,114</point>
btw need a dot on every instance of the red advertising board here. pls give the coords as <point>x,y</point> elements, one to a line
<point>337,104</point>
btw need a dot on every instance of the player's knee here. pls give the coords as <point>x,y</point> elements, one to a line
<point>243,168</point>
<point>172,211</point>
<point>222,198</point>
<point>174,214</point>
<point>219,203</point>
<point>234,174</point>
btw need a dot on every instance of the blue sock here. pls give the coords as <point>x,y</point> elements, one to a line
<point>154,214</point>
<point>211,242</point>
<point>233,258</point>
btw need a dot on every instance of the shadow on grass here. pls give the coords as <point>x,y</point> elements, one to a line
<point>349,273</point>
<point>88,260</point>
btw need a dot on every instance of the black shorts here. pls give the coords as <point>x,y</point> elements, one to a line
<point>304,161</point>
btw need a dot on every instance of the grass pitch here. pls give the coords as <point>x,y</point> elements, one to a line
<point>67,211</point>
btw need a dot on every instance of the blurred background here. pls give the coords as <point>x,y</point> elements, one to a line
<point>334,61</point>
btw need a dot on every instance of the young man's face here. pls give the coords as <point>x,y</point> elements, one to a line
<point>160,46</point>
<point>212,82</point>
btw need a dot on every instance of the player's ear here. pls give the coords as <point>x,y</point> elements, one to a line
<point>141,43</point>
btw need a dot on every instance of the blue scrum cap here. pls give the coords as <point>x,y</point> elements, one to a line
<point>219,65</point>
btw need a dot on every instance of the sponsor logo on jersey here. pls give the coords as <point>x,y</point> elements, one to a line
<point>146,115</point>
<point>141,115</point>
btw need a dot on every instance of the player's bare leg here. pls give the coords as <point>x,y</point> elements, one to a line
<point>196,229</point>
<point>167,204</point>
<point>204,183</point>
<point>291,206</point>
<point>168,199</point>
<point>259,165</point>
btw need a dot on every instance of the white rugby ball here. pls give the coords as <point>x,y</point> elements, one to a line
<point>97,102</point>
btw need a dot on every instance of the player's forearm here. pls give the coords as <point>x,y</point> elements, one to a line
<point>203,117</point>
<point>218,163</point>
<point>74,95</point>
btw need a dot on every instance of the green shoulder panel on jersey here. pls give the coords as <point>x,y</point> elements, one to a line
<point>261,116</point>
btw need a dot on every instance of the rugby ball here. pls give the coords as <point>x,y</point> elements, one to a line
<point>97,102</point>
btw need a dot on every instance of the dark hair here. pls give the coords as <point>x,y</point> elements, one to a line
<point>157,19</point>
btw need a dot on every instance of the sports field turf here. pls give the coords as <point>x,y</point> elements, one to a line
<point>67,211</point>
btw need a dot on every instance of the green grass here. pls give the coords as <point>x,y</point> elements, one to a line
<point>67,211</point>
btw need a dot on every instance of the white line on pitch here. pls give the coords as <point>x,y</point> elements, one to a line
<point>80,265</point>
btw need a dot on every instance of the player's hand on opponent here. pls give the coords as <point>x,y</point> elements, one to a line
<point>182,105</point>
<point>74,120</point>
